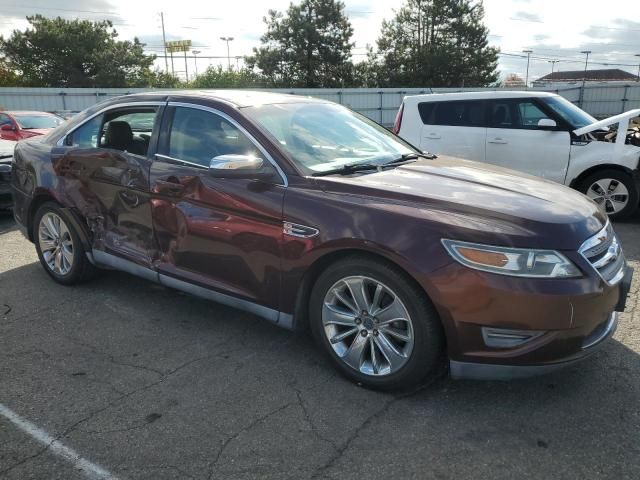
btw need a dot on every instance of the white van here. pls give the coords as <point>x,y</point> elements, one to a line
<point>535,132</point>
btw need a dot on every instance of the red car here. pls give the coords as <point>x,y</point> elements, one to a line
<point>20,125</point>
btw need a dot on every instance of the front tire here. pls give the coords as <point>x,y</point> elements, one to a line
<point>59,247</point>
<point>377,327</point>
<point>614,191</point>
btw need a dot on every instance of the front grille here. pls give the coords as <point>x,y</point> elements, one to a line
<point>604,252</point>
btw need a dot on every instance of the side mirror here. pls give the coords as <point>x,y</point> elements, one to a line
<point>240,166</point>
<point>7,127</point>
<point>547,124</point>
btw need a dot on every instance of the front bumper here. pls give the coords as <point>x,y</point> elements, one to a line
<point>549,350</point>
<point>488,371</point>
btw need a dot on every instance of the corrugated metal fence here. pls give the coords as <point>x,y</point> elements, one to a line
<point>379,104</point>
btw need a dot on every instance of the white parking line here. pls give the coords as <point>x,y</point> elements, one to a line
<point>91,470</point>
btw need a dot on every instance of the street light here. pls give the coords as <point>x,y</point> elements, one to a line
<point>195,59</point>
<point>227,39</point>
<point>638,79</point>
<point>526,81</point>
<point>553,64</point>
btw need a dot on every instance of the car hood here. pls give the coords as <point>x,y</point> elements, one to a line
<point>36,131</point>
<point>478,202</point>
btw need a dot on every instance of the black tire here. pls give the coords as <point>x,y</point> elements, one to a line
<point>81,268</point>
<point>621,177</point>
<point>425,361</point>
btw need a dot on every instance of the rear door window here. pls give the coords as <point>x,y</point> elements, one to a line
<point>464,113</point>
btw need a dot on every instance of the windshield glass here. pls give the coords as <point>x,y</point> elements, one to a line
<point>323,136</point>
<point>573,115</point>
<point>38,121</point>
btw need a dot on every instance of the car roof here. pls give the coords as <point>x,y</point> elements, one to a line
<point>433,97</point>
<point>25,112</point>
<point>239,98</point>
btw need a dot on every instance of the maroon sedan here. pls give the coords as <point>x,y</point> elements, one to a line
<point>20,125</point>
<point>312,216</point>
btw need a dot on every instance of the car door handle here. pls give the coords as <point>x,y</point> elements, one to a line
<point>497,140</point>
<point>433,136</point>
<point>168,188</point>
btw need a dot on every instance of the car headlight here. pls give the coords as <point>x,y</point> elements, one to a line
<point>519,262</point>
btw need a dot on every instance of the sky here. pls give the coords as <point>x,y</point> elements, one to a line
<point>553,29</point>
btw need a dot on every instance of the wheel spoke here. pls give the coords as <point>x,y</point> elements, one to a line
<point>347,302</point>
<point>392,312</point>
<point>333,315</point>
<point>58,261</point>
<point>375,302</point>
<point>389,351</point>
<point>375,361</point>
<point>46,245</point>
<point>356,287</point>
<point>397,333</point>
<point>353,356</point>
<point>341,336</point>
<point>67,256</point>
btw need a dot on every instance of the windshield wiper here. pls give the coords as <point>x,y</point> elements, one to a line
<point>348,168</point>
<point>407,157</point>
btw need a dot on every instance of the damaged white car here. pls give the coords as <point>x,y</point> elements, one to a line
<point>534,132</point>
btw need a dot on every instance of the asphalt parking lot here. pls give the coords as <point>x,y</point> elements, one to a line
<point>135,381</point>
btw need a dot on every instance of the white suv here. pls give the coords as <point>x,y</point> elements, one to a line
<point>535,132</point>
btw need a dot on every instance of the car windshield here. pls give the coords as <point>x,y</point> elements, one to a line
<point>322,136</point>
<point>28,122</point>
<point>573,115</point>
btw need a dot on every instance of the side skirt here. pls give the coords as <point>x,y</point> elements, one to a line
<point>104,259</point>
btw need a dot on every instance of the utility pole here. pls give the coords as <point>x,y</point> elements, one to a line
<point>186,68</point>
<point>526,81</point>
<point>638,79</point>
<point>553,64</point>
<point>237,63</point>
<point>227,39</point>
<point>164,44</point>
<point>584,75</point>
<point>195,60</point>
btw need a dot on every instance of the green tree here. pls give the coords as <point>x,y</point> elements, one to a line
<point>218,77</point>
<point>8,78</point>
<point>75,53</point>
<point>309,46</point>
<point>435,43</point>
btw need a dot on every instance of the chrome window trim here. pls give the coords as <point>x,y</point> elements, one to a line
<point>177,160</point>
<point>285,181</point>
<point>594,241</point>
<point>60,143</point>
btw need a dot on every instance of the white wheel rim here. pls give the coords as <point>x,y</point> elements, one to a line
<point>611,195</point>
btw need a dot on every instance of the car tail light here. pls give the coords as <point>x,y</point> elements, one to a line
<point>398,121</point>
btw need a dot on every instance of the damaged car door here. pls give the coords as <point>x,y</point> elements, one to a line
<point>105,165</point>
<point>217,228</point>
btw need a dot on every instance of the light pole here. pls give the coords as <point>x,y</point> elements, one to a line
<point>195,60</point>
<point>584,76</point>
<point>638,79</point>
<point>526,81</point>
<point>553,64</point>
<point>227,39</point>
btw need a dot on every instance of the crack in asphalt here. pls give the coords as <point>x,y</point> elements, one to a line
<point>342,449</point>
<point>231,438</point>
<point>113,403</point>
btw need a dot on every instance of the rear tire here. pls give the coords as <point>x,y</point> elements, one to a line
<point>614,191</point>
<point>59,247</point>
<point>376,325</point>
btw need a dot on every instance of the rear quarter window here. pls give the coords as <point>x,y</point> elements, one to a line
<point>464,113</point>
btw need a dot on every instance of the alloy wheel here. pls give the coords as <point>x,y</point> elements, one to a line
<point>367,325</point>
<point>56,243</point>
<point>610,194</point>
